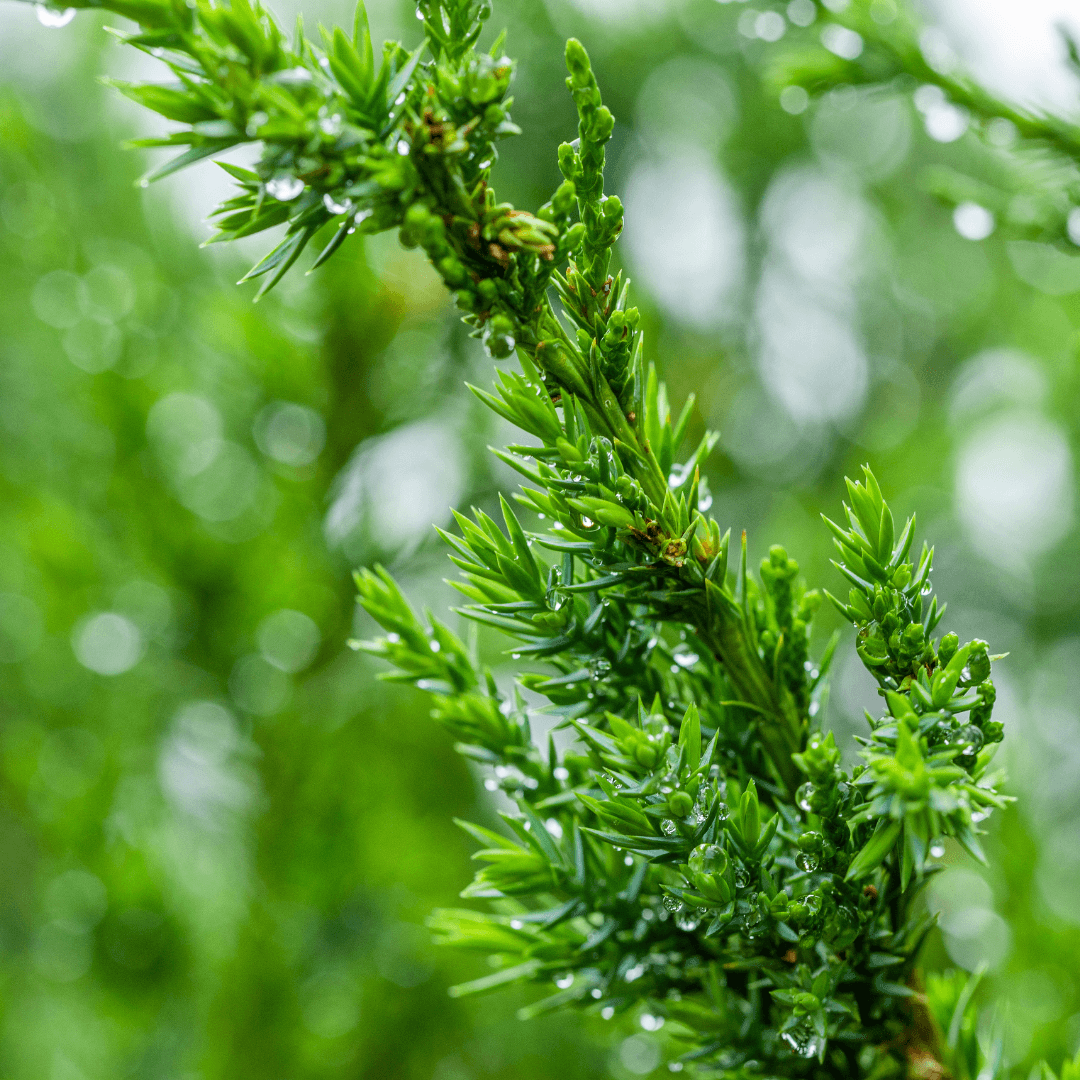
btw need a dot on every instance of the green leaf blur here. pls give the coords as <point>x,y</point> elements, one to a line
<point>223,834</point>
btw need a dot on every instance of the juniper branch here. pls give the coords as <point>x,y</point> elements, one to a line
<point>701,853</point>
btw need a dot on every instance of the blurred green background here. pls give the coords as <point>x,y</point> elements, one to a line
<point>219,834</point>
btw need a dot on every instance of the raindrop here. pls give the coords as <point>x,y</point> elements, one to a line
<point>607,1012</point>
<point>668,826</point>
<point>742,878</point>
<point>284,188</point>
<point>805,861</point>
<point>516,924</point>
<point>628,860</point>
<point>803,797</point>
<point>54,17</point>
<point>671,903</point>
<point>563,982</point>
<point>937,849</point>
<point>805,1043</point>
<point>687,920</point>
<point>597,993</point>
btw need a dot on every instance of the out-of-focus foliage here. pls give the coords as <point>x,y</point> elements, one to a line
<point>190,892</point>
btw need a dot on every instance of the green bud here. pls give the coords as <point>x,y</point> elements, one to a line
<point>978,662</point>
<point>454,274</point>
<point>417,216</point>
<point>572,238</point>
<point>646,754</point>
<point>750,816</point>
<point>947,649</point>
<point>602,126</point>
<point>568,161</point>
<point>564,198</point>
<point>679,804</point>
<point>577,62</point>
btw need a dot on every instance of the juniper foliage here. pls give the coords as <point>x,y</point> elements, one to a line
<point>699,859</point>
<point>1027,158</point>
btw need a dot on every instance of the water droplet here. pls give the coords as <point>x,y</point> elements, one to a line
<point>54,17</point>
<point>491,784</point>
<point>805,861</point>
<point>607,1012</point>
<point>687,920</point>
<point>597,993</point>
<point>516,924</point>
<point>628,860</point>
<point>560,773</point>
<point>284,188</point>
<point>806,1044</point>
<point>634,973</point>
<point>742,878</point>
<point>668,826</point>
<point>403,148</point>
<point>937,849</point>
<point>650,1022</point>
<point>563,982</point>
<point>587,522</point>
<point>686,660</point>
<point>803,797</point>
<point>675,1066</point>
<point>672,903</point>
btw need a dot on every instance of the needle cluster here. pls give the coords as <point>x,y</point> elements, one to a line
<point>693,854</point>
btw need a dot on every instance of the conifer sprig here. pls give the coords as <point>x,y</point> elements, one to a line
<point>1029,158</point>
<point>699,854</point>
